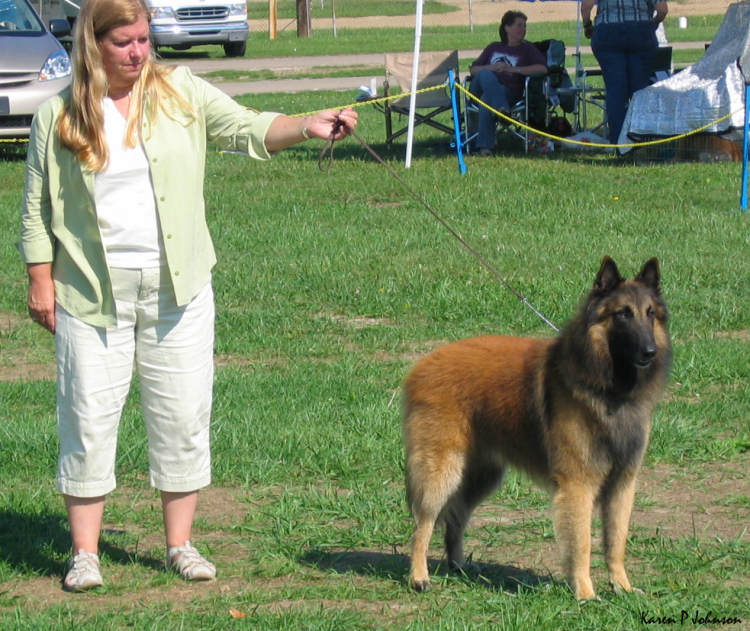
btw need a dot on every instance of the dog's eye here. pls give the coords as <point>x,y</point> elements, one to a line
<point>626,313</point>
<point>650,312</point>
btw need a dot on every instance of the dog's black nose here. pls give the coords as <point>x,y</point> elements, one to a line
<point>647,353</point>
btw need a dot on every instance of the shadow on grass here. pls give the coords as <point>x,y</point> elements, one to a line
<point>35,542</point>
<point>351,149</point>
<point>395,567</point>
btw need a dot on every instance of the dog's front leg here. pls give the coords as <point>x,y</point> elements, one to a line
<point>574,502</point>
<point>616,509</point>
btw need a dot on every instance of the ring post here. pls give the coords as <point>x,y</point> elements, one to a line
<point>743,193</point>
<point>456,124</point>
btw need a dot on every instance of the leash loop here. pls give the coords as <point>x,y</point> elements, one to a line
<point>328,147</point>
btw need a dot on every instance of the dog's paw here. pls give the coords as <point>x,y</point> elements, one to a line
<point>421,585</point>
<point>585,600</point>
<point>583,589</point>
<point>620,590</point>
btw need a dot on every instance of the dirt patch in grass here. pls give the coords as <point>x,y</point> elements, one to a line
<point>703,502</point>
<point>382,205</point>
<point>508,544</point>
<point>18,369</point>
<point>16,365</point>
<point>9,322</point>
<point>742,335</point>
<point>241,361</point>
<point>370,607</point>
<point>411,354</point>
<point>359,322</point>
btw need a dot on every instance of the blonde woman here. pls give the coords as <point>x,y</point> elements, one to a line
<point>119,261</point>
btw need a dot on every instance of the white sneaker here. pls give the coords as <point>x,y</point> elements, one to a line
<point>83,572</point>
<point>189,563</point>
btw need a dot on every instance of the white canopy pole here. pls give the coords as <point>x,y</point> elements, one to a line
<point>414,81</point>
<point>579,28</point>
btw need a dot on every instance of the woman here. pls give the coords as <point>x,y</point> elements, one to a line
<point>499,73</point>
<point>119,260</point>
<point>624,41</point>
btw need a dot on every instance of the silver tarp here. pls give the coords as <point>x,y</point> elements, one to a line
<point>709,90</point>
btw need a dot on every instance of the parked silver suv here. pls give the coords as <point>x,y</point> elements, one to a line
<point>181,24</point>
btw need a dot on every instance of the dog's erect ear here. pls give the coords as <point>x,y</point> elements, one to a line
<point>608,277</point>
<point>649,275</point>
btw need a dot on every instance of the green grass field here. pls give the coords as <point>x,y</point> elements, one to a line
<point>376,40</point>
<point>287,9</point>
<point>329,286</point>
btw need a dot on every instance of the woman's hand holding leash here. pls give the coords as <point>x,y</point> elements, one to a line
<point>339,125</point>
<point>286,131</point>
<point>330,124</point>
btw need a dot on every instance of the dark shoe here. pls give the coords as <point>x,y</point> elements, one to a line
<point>485,152</point>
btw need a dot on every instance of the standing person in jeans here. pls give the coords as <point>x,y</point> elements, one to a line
<point>499,73</point>
<point>623,39</point>
<point>119,258</point>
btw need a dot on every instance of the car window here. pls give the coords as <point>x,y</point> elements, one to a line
<point>16,16</point>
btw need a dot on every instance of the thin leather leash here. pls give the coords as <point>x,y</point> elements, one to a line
<point>326,165</point>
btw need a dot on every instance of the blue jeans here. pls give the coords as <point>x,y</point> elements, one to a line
<point>486,86</point>
<point>624,52</point>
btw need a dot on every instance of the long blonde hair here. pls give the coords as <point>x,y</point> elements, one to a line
<point>81,123</point>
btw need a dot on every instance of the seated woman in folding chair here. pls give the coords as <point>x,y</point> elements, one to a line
<point>498,75</point>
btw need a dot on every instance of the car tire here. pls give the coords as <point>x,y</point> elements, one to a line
<point>235,49</point>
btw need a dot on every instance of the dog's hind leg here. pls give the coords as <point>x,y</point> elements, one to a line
<point>478,482</point>
<point>430,484</point>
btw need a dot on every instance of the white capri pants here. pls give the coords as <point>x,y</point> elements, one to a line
<point>173,352</point>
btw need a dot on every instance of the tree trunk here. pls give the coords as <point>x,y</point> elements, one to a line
<point>304,26</point>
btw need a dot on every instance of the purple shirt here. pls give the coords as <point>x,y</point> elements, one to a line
<point>525,54</point>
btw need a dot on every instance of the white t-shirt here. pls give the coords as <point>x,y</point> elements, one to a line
<point>125,203</point>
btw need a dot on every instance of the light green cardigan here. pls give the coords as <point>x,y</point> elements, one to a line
<point>59,221</point>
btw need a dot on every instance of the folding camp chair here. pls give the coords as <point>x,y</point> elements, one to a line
<point>661,64</point>
<point>432,71</point>
<point>550,94</point>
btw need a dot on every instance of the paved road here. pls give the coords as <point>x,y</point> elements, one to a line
<point>290,64</point>
<point>302,63</point>
<point>288,86</point>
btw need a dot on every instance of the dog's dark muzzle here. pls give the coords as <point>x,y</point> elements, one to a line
<point>646,356</point>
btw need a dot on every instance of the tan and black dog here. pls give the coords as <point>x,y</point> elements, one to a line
<point>574,412</point>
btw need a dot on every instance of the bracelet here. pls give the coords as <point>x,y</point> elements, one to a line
<point>305,134</point>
